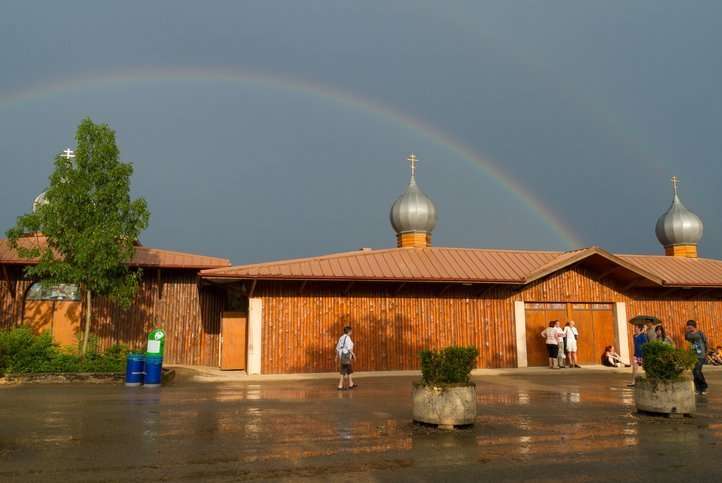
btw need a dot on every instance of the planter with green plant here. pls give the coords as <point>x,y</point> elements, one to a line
<point>445,396</point>
<point>666,387</point>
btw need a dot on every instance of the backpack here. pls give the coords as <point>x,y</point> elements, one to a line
<point>345,357</point>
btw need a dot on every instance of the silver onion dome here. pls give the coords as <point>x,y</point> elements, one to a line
<point>413,211</point>
<point>39,201</point>
<point>678,225</point>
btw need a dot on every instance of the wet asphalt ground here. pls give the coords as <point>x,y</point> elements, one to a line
<point>578,426</point>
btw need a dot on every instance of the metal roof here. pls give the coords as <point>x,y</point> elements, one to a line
<point>468,265</point>
<point>143,256</point>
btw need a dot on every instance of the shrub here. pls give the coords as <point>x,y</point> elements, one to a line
<point>451,365</point>
<point>22,352</point>
<point>662,362</point>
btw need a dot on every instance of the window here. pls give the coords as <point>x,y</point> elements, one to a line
<point>63,291</point>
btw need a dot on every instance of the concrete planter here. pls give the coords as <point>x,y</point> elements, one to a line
<point>662,397</point>
<point>444,406</point>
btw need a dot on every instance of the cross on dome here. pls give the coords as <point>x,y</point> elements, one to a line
<point>412,160</point>
<point>68,153</point>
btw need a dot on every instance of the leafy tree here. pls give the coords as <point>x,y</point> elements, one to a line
<point>90,221</point>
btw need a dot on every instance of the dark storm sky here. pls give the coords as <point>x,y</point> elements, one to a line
<point>588,106</point>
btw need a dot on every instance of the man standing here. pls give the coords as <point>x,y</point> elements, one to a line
<point>344,355</point>
<point>699,345</point>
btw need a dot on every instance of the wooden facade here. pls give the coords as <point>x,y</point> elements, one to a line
<point>301,322</point>
<point>189,312</point>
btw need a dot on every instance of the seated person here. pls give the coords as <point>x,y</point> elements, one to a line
<point>610,358</point>
<point>715,357</point>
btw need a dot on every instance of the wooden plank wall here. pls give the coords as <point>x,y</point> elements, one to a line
<point>189,314</point>
<point>300,329</point>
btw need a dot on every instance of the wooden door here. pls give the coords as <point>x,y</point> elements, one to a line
<point>595,323</point>
<point>233,340</point>
<point>66,322</point>
<point>538,317</point>
<point>583,317</point>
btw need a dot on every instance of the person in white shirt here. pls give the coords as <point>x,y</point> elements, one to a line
<point>570,343</point>
<point>552,335</point>
<point>344,355</point>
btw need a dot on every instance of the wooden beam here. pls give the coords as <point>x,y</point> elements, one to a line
<point>484,290</point>
<point>630,285</point>
<point>608,273</point>
<point>401,287</point>
<point>160,285</point>
<point>444,290</point>
<point>303,286</point>
<point>11,285</point>
<point>348,287</point>
<point>253,288</point>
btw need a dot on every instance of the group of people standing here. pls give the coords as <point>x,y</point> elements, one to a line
<point>561,344</point>
<point>651,332</point>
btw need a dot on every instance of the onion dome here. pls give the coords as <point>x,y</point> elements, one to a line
<point>678,229</point>
<point>39,201</point>
<point>413,214</point>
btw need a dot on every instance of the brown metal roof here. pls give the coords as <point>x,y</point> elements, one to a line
<point>467,265</point>
<point>143,257</point>
<point>403,264</point>
<point>680,271</point>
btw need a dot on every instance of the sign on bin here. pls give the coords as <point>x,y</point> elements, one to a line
<point>156,342</point>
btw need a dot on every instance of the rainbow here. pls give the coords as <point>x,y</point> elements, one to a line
<point>324,92</point>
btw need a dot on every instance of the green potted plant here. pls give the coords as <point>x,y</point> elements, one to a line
<point>445,396</point>
<point>666,387</point>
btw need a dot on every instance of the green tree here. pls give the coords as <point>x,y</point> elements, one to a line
<point>90,221</point>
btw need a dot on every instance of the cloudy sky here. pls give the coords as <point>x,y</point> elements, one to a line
<point>275,129</point>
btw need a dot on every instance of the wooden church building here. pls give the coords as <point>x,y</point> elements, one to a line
<point>286,316</point>
<point>400,300</point>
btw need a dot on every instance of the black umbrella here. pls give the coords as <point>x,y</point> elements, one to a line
<point>644,320</point>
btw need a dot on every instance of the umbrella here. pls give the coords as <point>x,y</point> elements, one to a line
<point>644,320</point>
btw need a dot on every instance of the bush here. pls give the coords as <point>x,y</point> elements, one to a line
<point>451,365</point>
<point>662,362</point>
<point>23,352</point>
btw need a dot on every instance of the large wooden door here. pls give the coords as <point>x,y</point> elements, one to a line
<point>595,323</point>
<point>234,342</point>
<point>538,317</point>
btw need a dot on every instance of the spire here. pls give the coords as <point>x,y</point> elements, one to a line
<point>678,229</point>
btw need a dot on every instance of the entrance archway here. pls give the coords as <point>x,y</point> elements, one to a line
<point>54,308</point>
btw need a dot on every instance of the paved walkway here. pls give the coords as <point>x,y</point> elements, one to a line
<point>576,426</point>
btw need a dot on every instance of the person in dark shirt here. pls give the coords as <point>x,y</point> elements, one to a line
<point>640,338</point>
<point>699,344</point>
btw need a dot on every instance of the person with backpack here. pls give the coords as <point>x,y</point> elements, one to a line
<point>699,345</point>
<point>344,356</point>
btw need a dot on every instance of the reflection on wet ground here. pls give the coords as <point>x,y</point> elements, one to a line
<point>538,427</point>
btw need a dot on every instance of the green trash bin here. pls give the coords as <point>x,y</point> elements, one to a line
<point>156,343</point>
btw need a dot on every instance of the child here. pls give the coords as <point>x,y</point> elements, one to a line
<point>344,355</point>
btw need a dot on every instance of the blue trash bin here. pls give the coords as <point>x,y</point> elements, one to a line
<point>153,370</point>
<point>134,370</point>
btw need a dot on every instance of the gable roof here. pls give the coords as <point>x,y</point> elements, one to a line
<point>467,265</point>
<point>143,256</point>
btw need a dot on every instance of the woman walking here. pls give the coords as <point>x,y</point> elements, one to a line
<point>571,334</point>
<point>552,335</point>
<point>345,355</point>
